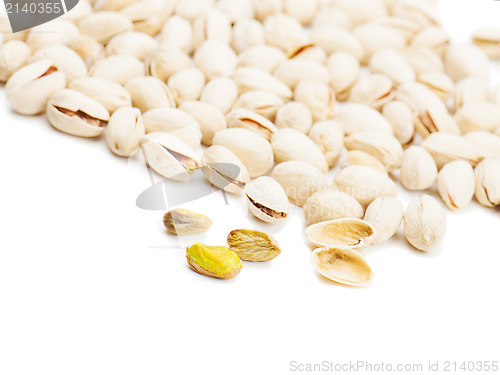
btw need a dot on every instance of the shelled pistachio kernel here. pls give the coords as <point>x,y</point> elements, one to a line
<point>182,222</point>
<point>213,261</point>
<point>253,245</point>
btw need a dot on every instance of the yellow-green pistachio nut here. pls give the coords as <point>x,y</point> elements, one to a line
<point>180,221</point>
<point>214,261</point>
<point>252,245</point>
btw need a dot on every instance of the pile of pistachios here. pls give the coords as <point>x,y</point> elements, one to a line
<point>324,104</point>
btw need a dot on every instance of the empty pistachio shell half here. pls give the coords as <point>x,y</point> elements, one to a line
<point>266,199</point>
<point>181,222</point>
<point>342,265</point>
<point>214,261</point>
<point>456,184</point>
<point>386,215</point>
<point>329,204</point>
<point>345,232</point>
<point>252,245</point>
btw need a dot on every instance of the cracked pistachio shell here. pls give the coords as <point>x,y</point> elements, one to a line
<point>300,180</point>
<point>173,121</point>
<point>487,175</point>
<point>400,116</point>
<point>248,79</point>
<point>342,265</point>
<point>261,102</point>
<point>140,45</point>
<point>334,38</point>
<point>215,59</point>
<point>419,97</point>
<point>214,261</point>
<point>149,92</point>
<point>177,32</point>
<point>392,64</point>
<point>247,33</point>
<point>104,91</point>
<point>187,84</point>
<point>290,144</point>
<point>445,147</point>
<point>488,39</point>
<point>266,199</point>
<point>294,115</point>
<point>418,169</point>
<point>211,25</point>
<point>424,223</point>
<point>329,15</point>
<point>365,184</point>
<point>329,204</point>
<point>253,245</point>
<point>294,71</point>
<point>407,28</point>
<point>435,119</point>
<point>434,38</point>
<point>14,54</point>
<point>440,83</point>
<point>344,71</point>
<point>318,97</point>
<point>471,89</point>
<point>478,116</point>
<point>180,221</point>
<point>353,233</point>
<point>125,131</point>
<point>254,151</point>
<point>356,118</point>
<point>485,143</point>
<point>456,184</point>
<point>103,26</point>
<point>77,114</point>
<point>329,136</point>
<point>385,214</point>
<point>243,118</point>
<point>373,91</point>
<point>209,117</point>
<point>384,147</point>
<point>118,68</point>
<point>262,57</point>
<point>424,13</point>
<point>168,156</point>
<point>149,16</point>
<point>357,157</point>
<point>375,38</point>
<point>221,92</point>
<point>422,60</point>
<point>309,52</point>
<point>466,60</point>
<point>167,61</point>
<point>54,32</point>
<point>30,87</point>
<point>282,31</point>
<point>220,171</point>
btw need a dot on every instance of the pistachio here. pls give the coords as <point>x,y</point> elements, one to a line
<point>456,184</point>
<point>356,118</point>
<point>125,131</point>
<point>211,25</point>
<point>446,147</point>
<point>180,222</point>
<point>406,27</point>
<point>266,8</point>
<point>309,52</point>
<point>293,71</point>
<point>246,34</point>
<point>89,49</point>
<point>236,10</point>
<point>362,11</point>
<point>488,182</point>
<point>478,116</point>
<point>148,16</point>
<point>221,92</point>
<point>248,79</point>
<point>252,245</point>
<point>209,118</point>
<point>424,13</point>
<point>400,116</point>
<point>266,199</point>
<point>112,5</point>
<point>424,223</point>
<point>177,33</point>
<point>485,143</point>
<point>282,31</point>
<point>190,9</point>
<point>261,102</point>
<point>103,26</point>
<point>373,91</point>
<point>294,115</point>
<point>243,118</point>
<point>422,59</point>
<point>488,39</point>
<point>357,157</point>
<point>344,72</point>
<point>375,38</point>
<point>215,58</point>
<point>418,169</point>
<point>167,61</point>
<point>329,136</point>
<point>118,68</point>
<point>435,119</point>
<point>465,60</point>
<point>434,38</point>
<point>392,64</point>
<point>471,89</point>
<point>14,55</point>
<point>140,45</point>
<point>224,169</point>
<point>262,57</point>
<point>385,214</point>
<point>55,32</point>
<point>318,97</point>
<point>333,39</point>
<point>214,261</point>
<point>329,15</point>
<point>440,83</point>
<point>187,84</point>
<point>342,265</point>
<point>419,97</point>
<point>302,11</point>
<point>329,204</point>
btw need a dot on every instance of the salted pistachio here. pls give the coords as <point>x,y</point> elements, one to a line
<point>302,11</point>
<point>248,79</point>
<point>375,38</point>
<point>106,92</point>
<point>180,221</point>
<point>177,32</point>
<point>318,97</point>
<point>214,261</point>
<point>353,233</point>
<point>186,84</point>
<point>294,115</point>
<point>149,93</point>
<point>419,97</point>
<point>118,68</point>
<point>445,147</point>
<point>342,265</point>
<point>293,71</point>
<point>211,25</point>
<point>236,10</point>
<point>401,118</point>
<point>329,204</point>
<point>266,8</point>
<point>357,157</point>
<point>406,27</point>
<point>434,38</point>
<point>471,89</point>
<point>456,184</point>
<point>77,114</point>
<point>487,179</point>
<point>391,63</point>
<point>309,52</point>
<point>170,157</point>
<point>355,118</point>
<point>364,183</point>
<point>14,55</point>
<point>334,38</point>
<point>253,245</point>
<point>424,13</point>
<point>424,223</point>
<point>362,11</point>
<point>209,117</point>
<point>252,149</point>
<point>488,39</point>
<point>263,57</point>
<point>247,33</point>
<point>215,58</point>
<point>374,91</point>
<point>440,83</point>
<point>29,88</point>
<point>266,199</point>
<point>140,45</point>
<point>466,60</point>
<point>167,61</point>
<point>221,92</point>
<point>330,15</point>
<point>261,102</point>
<point>244,118</point>
<point>103,26</point>
<point>55,32</point>
<point>112,5</point>
<point>282,31</point>
<point>148,16</point>
<point>65,59</point>
<point>384,147</point>
<point>224,169</point>
<point>485,143</point>
<point>418,169</point>
<point>300,180</point>
<point>478,116</point>
<point>422,59</point>
<point>385,214</point>
<point>89,49</point>
<point>344,71</point>
<point>290,144</point>
<point>125,131</point>
<point>435,119</point>
<point>190,9</point>
<point>173,121</point>
<point>329,136</point>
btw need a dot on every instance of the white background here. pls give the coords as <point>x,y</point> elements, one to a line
<point>87,285</point>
